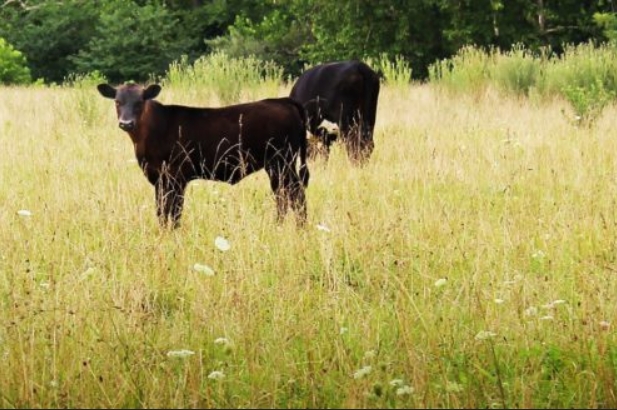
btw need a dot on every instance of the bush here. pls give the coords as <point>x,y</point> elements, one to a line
<point>13,65</point>
<point>467,71</point>
<point>588,102</point>
<point>225,77</point>
<point>85,101</point>
<point>516,71</point>
<point>396,73</point>
<point>584,75</point>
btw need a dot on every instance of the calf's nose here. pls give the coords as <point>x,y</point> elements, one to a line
<point>126,125</point>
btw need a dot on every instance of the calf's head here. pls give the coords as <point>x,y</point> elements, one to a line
<point>130,100</point>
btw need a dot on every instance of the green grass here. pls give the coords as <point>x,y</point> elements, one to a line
<point>503,198</point>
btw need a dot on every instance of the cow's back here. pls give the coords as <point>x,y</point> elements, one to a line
<point>227,143</point>
<point>333,79</point>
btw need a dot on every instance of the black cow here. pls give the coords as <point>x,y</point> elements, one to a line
<point>175,144</point>
<point>344,93</point>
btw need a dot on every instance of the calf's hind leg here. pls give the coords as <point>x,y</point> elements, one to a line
<point>275,173</point>
<point>289,191</point>
<point>296,195</point>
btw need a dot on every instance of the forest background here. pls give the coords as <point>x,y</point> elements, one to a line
<point>49,41</point>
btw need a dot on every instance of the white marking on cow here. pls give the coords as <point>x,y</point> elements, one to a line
<point>329,126</point>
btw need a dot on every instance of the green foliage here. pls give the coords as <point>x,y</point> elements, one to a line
<point>588,102</point>
<point>277,37</point>
<point>13,66</point>
<point>227,78</point>
<point>515,71</point>
<point>85,101</point>
<point>61,37</point>
<point>582,65</point>
<point>123,57</point>
<point>608,23</point>
<point>585,75</point>
<point>49,32</point>
<point>411,30</point>
<point>468,70</point>
<point>396,71</point>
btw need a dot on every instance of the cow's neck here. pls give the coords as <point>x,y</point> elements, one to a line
<point>148,136</point>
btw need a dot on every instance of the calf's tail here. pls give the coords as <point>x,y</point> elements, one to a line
<point>304,171</point>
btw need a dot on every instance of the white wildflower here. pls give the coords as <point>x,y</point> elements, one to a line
<point>216,375</point>
<point>538,254</point>
<point>531,311</point>
<point>440,282</point>
<point>180,353</point>
<point>362,372</point>
<point>343,330</point>
<point>547,317</point>
<point>485,334</point>
<point>205,269</point>
<point>222,243</point>
<point>88,273</point>
<point>397,382</point>
<point>24,212</point>
<point>554,303</point>
<point>323,227</point>
<point>221,341</point>
<point>499,301</point>
<point>404,391</point>
<point>453,387</point>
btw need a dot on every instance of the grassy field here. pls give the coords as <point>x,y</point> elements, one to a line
<point>470,263</point>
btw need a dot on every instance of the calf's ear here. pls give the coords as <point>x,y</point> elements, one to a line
<point>152,91</point>
<point>106,90</point>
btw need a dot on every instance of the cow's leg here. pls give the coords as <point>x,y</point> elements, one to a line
<point>275,173</point>
<point>169,194</point>
<point>358,143</point>
<point>326,141</point>
<point>293,189</point>
<point>319,144</point>
<point>297,198</point>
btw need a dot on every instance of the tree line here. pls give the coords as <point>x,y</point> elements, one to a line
<point>137,40</point>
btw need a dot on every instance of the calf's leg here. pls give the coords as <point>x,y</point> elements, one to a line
<point>169,194</point>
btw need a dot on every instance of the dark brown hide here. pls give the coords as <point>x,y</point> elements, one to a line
<point>176,144</point>
<point>346,94</point>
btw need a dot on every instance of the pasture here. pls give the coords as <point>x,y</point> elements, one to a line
<point>470,263</point>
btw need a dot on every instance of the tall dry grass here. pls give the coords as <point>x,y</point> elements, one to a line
<point>470,263</point>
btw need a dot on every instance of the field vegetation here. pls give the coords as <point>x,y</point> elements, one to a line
<point>472,262</point>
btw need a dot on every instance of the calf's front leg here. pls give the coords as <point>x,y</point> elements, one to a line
<point>169,195</point>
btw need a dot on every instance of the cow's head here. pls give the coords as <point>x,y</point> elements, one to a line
<point>130,100</point>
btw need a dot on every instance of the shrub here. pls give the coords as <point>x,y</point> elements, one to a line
<point>13,65</point>
<point>588,102</point>
<point>396,73</point>
<point>225,77</point>
<point>516,71</point>
<point>468,70</point>
<point>86,96</point>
